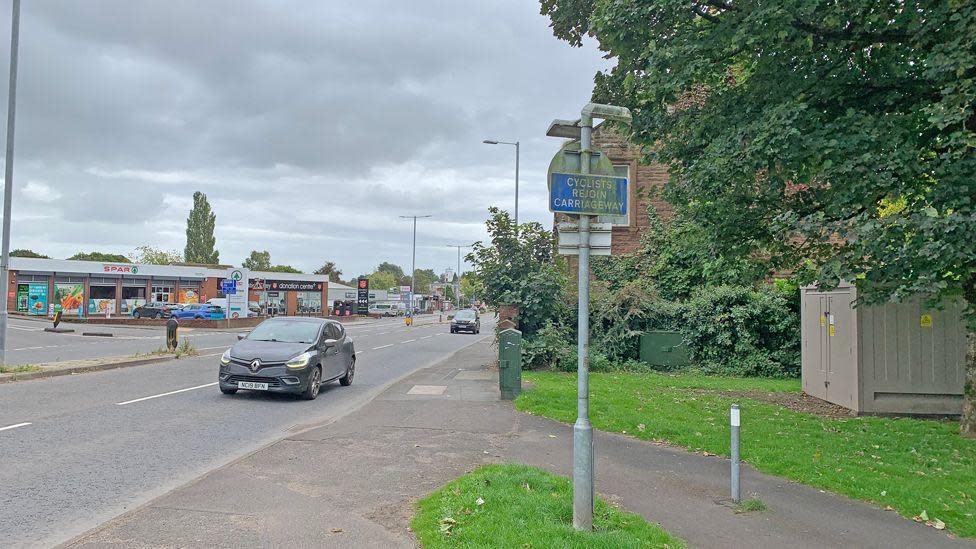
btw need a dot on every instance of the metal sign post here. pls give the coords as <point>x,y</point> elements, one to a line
<point>591,197</point>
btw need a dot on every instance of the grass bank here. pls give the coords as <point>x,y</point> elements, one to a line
<point>920,468</point>
<point>520,506</point>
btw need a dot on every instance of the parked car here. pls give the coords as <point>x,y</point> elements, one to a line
<point>199,310</point>
<point>466,320</point>
<point>386,309</point>
<point>153,309</point>
<point>289,354</point>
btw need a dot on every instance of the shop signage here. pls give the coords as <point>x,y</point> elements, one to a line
<point>350,295</point>
<point>237,301</point>
<point>256,284</point>
<point>228,287</point>
<point>115,268</point>
<point>294,285</point>
<point>588,194</point>
<point>404,289</point>
<point>362,296</point>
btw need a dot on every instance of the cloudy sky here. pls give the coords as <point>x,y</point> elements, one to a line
<point>309,125</point>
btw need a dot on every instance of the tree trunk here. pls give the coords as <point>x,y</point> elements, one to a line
<point>968,423</point>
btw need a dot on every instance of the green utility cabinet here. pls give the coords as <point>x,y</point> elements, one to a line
<point>510,363</point>
<point>663,348</point>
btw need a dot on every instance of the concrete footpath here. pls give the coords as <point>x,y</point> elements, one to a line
<point>353,483</point>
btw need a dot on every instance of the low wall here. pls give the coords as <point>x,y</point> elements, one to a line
<point>228,323</point>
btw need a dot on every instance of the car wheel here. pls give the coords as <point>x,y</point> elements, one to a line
<point>314,383</point>
<point>159,316</point>
<point>228,391</point>
<point>137,314</point>
<point>198,317</point>
<point>346,380</point>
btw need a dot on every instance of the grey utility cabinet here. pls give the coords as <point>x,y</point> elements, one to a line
<point>895,358</point>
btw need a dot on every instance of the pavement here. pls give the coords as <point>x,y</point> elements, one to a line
<point>78,450</point>
<point>353,481</point>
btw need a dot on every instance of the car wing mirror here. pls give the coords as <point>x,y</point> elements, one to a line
<point>330,343</point>
<point>241,336</point>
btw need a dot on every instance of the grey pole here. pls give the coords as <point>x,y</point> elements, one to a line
<point>8,174</point>
<point>516,183</point>
<point>413,265</point>
<point>457,285</point>
<point>582,430</point>
<point>734,426</point>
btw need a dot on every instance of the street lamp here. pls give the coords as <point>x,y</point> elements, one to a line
<point>413,268</point>
<point>516,143</point>
<point>457,287</point>
<point>8,174</point>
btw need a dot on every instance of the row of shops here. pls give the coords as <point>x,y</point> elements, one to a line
<point>89,288</point>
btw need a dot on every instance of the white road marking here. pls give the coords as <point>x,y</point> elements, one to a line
<point>165,394</point>
<point>440,334</point>
<point>382,333</point>
<point>427,337</point>
<point>14,426</point>
<point>382,346</point>
<point>212,348</point>
<point>360,352</point>
<point>408,341</point>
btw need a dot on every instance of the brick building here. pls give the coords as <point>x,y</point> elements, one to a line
<point>646,183</point>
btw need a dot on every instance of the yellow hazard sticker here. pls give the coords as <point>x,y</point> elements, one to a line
<point>823,319</point>
<point>831,330</point>
<point>925,321</point>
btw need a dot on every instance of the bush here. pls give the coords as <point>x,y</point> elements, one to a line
<point>737,330</point>
<point>618,318</point>
<point>551,347</point>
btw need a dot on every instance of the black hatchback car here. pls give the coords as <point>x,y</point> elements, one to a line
<point>289,355</point>
<point>466,320</point>
<point>153,309</point>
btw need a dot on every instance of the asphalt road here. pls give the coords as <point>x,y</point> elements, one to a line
<point>79,450</point>
<point>28,343</point>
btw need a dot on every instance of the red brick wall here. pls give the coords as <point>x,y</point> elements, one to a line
<point>12,292</point>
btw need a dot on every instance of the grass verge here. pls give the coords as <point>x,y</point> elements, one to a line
<point>920,468</point>
<point>23,368</point>
<point>519,506</point>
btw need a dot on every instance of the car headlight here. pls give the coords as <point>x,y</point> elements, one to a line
<point>299,361</point>
<point>225,358</point>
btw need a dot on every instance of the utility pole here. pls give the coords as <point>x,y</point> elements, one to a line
<point>457,285</point>
<point>8,175</point>
<point>516,143</point>
<point>413,267</point>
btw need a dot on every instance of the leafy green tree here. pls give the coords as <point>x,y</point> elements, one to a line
<point>200,241</point>
<point>381,280</point>
<point>258,261</point>
<point>836,135</point>
<point>20,252</point>
<point>100,256</point>
<point>154,256</point>
<point>425,277</point>
<point>471,286</point>
<point>329,268</point>
<point>519,269</point>
<point>395,270</point>
<point>283,269</point>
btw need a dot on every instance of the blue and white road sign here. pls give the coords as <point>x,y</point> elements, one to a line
<point>228,287</point>
<point>588,194</point>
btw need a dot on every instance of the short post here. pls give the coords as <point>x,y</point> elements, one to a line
<point>172,335</point>
<point>734,424</point>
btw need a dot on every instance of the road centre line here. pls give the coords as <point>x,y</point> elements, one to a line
<point>408,341</point>
<point>383,346</point>
<point>165,394</point>
<point>14,426</point>
<point>427,337</point>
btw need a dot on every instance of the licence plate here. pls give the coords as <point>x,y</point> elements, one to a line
<point>252,385</point>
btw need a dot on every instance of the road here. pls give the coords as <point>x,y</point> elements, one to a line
<point>28,343</point>
<point>79,450</point>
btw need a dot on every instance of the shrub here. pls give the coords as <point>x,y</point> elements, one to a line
<point>551,347</point>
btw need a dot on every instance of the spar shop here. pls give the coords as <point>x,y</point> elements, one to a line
<point>91,288</point>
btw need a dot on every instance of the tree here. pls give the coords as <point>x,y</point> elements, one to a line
<point>395,270</point>
<point>381,280</point>
<point>471,286</point>
<point>200,241</point>
<point>283,269</point>
<point>100,256</point>
<point>519,269</point>
<point>258,261</point>
<point>154,256</point>
<point>836,136</point>
<point>425,277</point>
<point>329,268</point>
<point>21,252</point>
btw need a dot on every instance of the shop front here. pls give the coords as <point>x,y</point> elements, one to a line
<point>69,296</point>
<point>102,296</point>
<point>32,294</point>
<point>133,294</point>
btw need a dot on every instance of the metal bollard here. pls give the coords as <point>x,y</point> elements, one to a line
<point>172,334</point>
<point>734,424</point>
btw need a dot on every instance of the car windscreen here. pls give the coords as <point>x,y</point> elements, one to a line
<point>289,331</point>
<point>466,314</point>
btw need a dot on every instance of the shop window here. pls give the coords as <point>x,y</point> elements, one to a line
<point>309,303</point>
<point>101,299</point>
<point>132,297</point>
<point>162,293</point>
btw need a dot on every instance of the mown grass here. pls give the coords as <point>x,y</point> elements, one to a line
<point>910,465</point>
<point>523,506</point>
<point>23,368</point>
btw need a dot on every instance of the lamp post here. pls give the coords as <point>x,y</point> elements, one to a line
<point>516,143</point>
<point>457,286</point>
<point>8,174</point>
<point>413,266</point>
